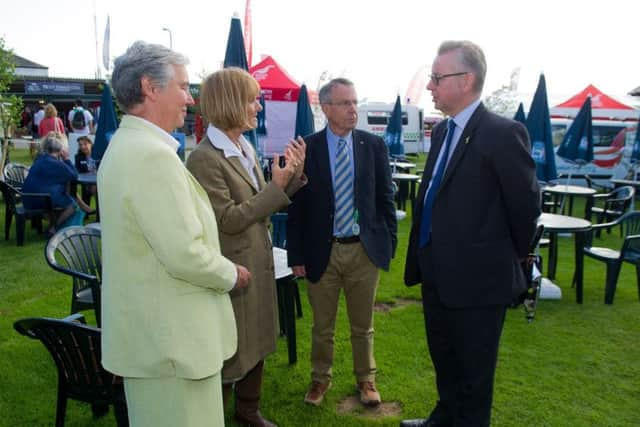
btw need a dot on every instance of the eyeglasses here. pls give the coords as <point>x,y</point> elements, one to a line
<point>435,78</point>
<point>344,104</point>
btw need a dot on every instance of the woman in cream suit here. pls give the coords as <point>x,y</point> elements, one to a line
<point>167,320</point>
<point>226,166</point>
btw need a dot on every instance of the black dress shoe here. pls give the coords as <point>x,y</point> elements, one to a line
<point>422,422</point>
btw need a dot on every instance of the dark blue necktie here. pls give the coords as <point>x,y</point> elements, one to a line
<point>425,224</point>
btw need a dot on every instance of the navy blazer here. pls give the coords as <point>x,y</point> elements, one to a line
<point>310,221</point>
<point>484,215</point>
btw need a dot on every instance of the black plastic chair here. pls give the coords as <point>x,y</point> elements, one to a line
<point>529,299</point>
<point>629,252</point>
<point>76,351</point>
<point>613,205</point>
<point>75,251</point>
<point>279,240</point>
<point>14,208</point>
<point>15,174</point>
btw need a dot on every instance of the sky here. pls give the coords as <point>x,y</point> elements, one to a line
<point>379,45</point>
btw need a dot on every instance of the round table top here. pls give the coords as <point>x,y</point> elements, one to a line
<point>563,223</point>
<point>88,178</point>
<point>405,176</point>
<point>572,190</point>
<point>625,182</point>
<point>402,165</point>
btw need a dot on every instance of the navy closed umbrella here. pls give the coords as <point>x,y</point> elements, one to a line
<point>539,127</point>
<point>577,144</point>
<point>107,124</point>
<point>262,117</point>
<point>393,133</point>
<point>236,56</point>
<point>304,116</point>
<point>520,116</point>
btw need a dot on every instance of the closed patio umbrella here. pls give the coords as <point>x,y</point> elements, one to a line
<point>520,116</point>
<point>236,56</point>
<point>107,124</point>
<point>539,126</point>
<point>393,133</point>
<point>577,144</point>
<point>304,116</point>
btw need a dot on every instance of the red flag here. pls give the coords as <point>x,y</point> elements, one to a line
<point>247,31</point>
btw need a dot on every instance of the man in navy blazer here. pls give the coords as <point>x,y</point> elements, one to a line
<point>473,222</point>
<point>341,230</point>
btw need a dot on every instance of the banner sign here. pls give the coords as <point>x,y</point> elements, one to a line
<point>54,88</point>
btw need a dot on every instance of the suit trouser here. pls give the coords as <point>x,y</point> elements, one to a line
<point>463,344</point>
<point>174,402</point>
<point>350,269</point>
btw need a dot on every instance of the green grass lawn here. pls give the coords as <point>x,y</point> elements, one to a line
<point>575,365</point>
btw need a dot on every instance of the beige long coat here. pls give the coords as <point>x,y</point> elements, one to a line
<point>242,212</point>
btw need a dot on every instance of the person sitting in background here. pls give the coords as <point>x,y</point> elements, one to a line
<point>51,173</point>
<point>85,164</point>
<point>83,161</point>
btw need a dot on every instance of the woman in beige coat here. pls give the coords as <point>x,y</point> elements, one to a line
<point>226,166</point>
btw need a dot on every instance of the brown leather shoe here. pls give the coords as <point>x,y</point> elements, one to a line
<point>254,420</point>
<point>369,396</point>
<point>316,392</point>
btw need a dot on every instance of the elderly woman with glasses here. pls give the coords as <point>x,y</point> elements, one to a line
<point>51,173</point>
<point>226,166</point>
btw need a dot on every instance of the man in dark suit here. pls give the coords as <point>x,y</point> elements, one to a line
<point>341,229</point>
<point>474,219</point>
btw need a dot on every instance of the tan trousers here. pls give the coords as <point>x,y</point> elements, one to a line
<point>174,402</point>
<point>350,269</point>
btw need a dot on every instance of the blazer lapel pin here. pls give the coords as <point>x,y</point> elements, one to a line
<point>466,140</point>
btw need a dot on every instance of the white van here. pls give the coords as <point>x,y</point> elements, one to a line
<point>612,146</point>
<point>374,117</point>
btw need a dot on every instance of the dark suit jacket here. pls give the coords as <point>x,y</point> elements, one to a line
<point>484,215</point>
<point>310,222</point>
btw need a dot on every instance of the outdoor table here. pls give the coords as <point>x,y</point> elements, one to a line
<point>406,188</point>
<point>622,182</point>
<point>401,166</point>
<point>562,190</point>
<point>286,297</point>
<point>617,183</point>
<point>554,224</point>
<point>88,178</point>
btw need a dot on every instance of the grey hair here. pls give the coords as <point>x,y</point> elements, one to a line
<point>140,60</point>
<point>324,96</point>
<point>53,142</point>
<point>471,56</point>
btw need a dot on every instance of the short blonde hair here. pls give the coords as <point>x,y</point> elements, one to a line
<point>50,111</point>
<point>224,96</point>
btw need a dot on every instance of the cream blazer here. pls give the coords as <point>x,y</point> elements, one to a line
<point>165,304</point>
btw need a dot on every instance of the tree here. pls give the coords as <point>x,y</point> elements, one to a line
<point>502,101</point>
<point>10,105</point>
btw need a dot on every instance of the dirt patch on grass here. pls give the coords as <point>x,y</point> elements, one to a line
<point>385,307</point>
<point>351,406</point>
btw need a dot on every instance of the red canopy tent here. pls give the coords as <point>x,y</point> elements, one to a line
<point>281,93</point>
<point>603,107</point>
